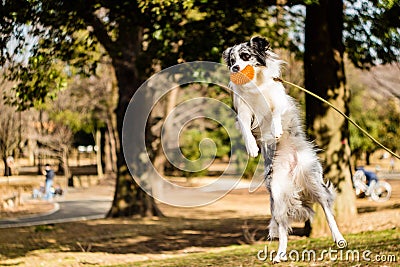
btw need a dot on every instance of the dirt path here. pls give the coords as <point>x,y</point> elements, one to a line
<point>238,203</point>
<point>241,203</point>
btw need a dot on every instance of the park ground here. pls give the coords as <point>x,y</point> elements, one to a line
<point>229,232</point>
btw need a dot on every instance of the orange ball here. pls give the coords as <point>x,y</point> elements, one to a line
<point>244,76</point>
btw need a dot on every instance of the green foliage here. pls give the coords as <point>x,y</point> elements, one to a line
<point>224,23</point>
<point>372,32</point>
<point>159,6</point>
<point>389,131</point>
<point>172,29</point>
<point>200,130</point>
<point>191,142</point>
<point>365,115</point>
<point>74,120</point>
<point>39,79</point>
<point>190,146</point>
<point>48,37</point>
<point>381,121</point>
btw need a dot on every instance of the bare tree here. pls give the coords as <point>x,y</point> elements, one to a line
<point>9,138</point>
<point>382,80</point>
<point>10,127</point>
<point>87,105</point>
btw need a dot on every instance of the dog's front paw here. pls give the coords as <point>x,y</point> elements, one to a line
<point>252,148</point>
<point>278,134</point>
<point>277,130</point>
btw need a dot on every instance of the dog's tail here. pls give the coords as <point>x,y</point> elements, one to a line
<point>308,174</point>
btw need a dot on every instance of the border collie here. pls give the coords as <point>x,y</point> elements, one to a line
<point>269,120</point>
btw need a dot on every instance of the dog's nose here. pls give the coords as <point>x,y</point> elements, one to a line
<point>235,68</point>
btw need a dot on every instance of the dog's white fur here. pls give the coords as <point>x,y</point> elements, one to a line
<point>266,116</point>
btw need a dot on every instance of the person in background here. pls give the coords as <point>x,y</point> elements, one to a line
<point>49,173</point>
<point>372,179</point>
<point>38,192</point>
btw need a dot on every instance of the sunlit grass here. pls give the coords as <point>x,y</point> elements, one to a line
<point>368,248</point>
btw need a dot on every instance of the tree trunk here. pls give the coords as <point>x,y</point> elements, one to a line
<point>7,169</point>
<point>170,102</point>
<point>324,75</point>
<point>129,198</point>
<point>100,173</point>
<point>110,148</point>
<point>65,164</point>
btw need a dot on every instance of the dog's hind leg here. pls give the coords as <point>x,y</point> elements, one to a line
<point>326,202</point>
<point>337,236</point>
<point>268,152</point>
<point>283,240</point>
<point>280,223</point>
<point>324,194</point>
<point>278,230</point>
<point>273,227</point>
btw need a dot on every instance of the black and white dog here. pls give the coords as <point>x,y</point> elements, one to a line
<point>269,120</point>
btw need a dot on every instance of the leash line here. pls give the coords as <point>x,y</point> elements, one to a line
<point>277,79</point>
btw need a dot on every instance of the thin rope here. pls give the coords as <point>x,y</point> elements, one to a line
<point>341,113</point>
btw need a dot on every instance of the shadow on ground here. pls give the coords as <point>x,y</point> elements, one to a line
<point>159,235</point>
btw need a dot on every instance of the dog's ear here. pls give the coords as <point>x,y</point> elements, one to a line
<point>226,55</point>
<point>259,43</point>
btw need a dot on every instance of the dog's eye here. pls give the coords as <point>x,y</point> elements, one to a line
<point>245,56</point>
<point>232,61</point>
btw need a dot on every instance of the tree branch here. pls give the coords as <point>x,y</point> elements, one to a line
<point>100,31</point>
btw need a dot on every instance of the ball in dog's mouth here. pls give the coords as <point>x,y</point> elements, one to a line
<point>244,76</point>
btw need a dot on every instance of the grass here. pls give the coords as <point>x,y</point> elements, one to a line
<point>182,242</point>
<point>364,249</point>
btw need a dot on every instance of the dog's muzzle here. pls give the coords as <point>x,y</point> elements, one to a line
<point>235,68</point>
